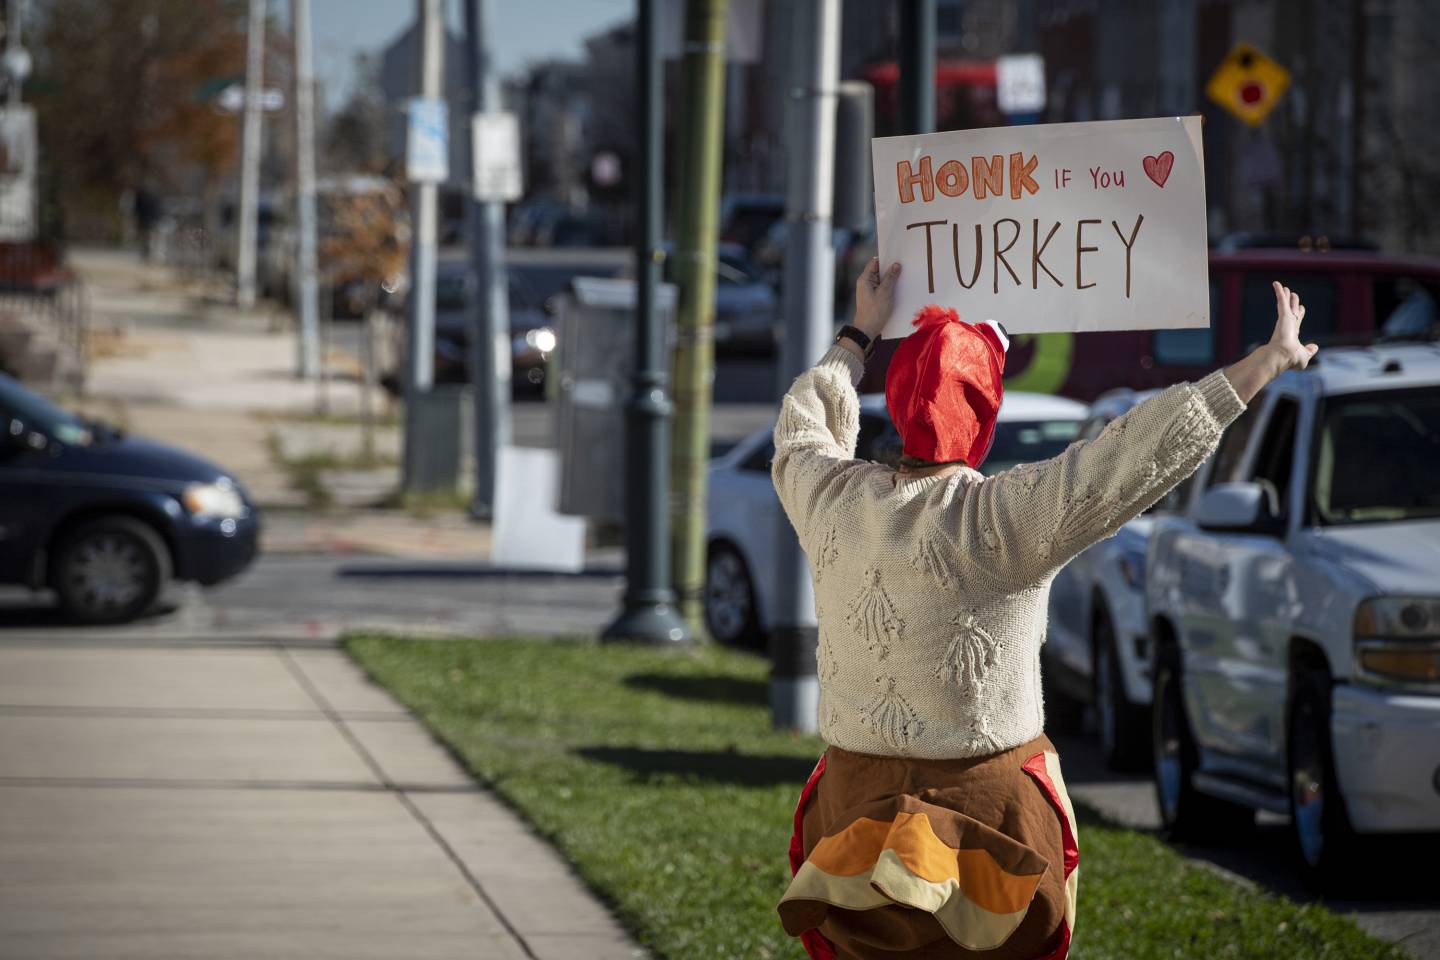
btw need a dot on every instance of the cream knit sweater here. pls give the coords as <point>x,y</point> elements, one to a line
<point>931,593</point>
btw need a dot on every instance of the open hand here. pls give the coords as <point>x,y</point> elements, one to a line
<point>875,297</point>
<point>1285,341</point>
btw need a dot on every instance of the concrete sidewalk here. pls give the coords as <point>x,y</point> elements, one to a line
<point>163,802</point>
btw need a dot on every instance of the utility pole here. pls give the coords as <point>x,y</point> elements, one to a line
<point>17,61</point>
<point>917,66</point>
<point>250,157</point>
<point>490,307</point>
<point>1359,37</point>
<point>703,89</point>
<point>307,288</point>
<point>648,614</point>
<point>420,331</point>
<point>809,325</point>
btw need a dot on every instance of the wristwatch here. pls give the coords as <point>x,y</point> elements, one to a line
<point>864,341</point>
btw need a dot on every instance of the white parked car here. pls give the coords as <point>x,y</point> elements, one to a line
<point>745,515</point>
<point>1295,611</point>
<point>1097,649</point>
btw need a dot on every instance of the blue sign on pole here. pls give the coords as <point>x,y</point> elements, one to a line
<point>427,146</point>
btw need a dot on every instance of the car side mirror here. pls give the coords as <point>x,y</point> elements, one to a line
<point>1239,508</point>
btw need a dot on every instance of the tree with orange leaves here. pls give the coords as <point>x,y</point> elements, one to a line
<point>125,100</point>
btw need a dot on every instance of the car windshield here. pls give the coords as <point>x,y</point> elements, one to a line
<point>1379,458</point>
<point>38,414</point>
<point>1025,441</point>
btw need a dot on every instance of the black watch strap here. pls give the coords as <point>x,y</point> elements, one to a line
<point>862,340</point>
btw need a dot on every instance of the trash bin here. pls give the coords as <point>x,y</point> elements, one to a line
<point>595,358</point>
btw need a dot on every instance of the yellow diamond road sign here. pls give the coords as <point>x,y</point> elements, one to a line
<point>1248,84</point>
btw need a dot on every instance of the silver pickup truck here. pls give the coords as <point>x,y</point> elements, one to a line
<point>1294,612</point>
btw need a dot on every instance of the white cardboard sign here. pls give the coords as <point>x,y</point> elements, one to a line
<point>1057,227</point>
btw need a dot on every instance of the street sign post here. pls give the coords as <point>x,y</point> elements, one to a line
<point>232,99</point>
<point>427,147</point>
<point>17,174</point>
<point>1020,83</point>
<point>1248,84</point>
<point>427,165</point>
<point>496,156</point>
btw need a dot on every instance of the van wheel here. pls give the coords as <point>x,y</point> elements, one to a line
<point>730,610</point>
<point>110,570</point>
<point>1185,813</point>
<point>1123,725</point>
<point>1324,839</point>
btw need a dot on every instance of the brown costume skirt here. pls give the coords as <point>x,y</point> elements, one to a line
<point>906,859</point>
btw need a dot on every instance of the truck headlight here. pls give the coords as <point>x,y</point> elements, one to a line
<point>1397,640</point>
<point>220,500</point>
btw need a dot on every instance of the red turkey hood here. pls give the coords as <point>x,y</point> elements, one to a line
<point>943,387</point>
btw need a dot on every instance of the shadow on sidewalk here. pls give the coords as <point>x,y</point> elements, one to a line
<point>716,688</point>
<point>715,766</point>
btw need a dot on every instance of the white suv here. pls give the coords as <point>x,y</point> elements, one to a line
<point>1295,612</point>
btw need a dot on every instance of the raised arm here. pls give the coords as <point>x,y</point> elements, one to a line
<point>1016,528</point>
<point>820,414</point>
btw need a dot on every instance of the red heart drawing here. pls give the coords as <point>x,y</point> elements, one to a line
<point>1158,168</point>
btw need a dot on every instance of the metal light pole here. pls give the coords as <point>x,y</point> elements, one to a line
<point>307,290</point>
<point>17,61</point>
<point>420,330</point>
<point>648,613</point>
<point>695,251</point>
<point>489,309</point>
<point>809,325</point>
<point>917,66</point>
<point>250,156</point>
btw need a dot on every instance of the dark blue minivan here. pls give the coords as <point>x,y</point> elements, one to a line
<point>107,520</point>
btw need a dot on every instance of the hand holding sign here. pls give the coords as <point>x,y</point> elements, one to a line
<point>1065,227</point>
<point>875,297</point>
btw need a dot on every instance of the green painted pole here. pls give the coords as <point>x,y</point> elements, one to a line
<point>702,115</point>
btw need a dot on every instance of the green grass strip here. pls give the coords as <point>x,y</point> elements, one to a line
<point>657,774</point>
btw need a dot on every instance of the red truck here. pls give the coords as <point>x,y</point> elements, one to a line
<point>1351,296</point>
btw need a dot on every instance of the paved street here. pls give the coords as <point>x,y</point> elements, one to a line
<point>173,801</point>
<point>318,597</point>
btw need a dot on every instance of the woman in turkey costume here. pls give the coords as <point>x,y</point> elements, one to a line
<point>937,825</point>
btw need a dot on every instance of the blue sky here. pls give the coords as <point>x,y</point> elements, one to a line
<point>525,30</point>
